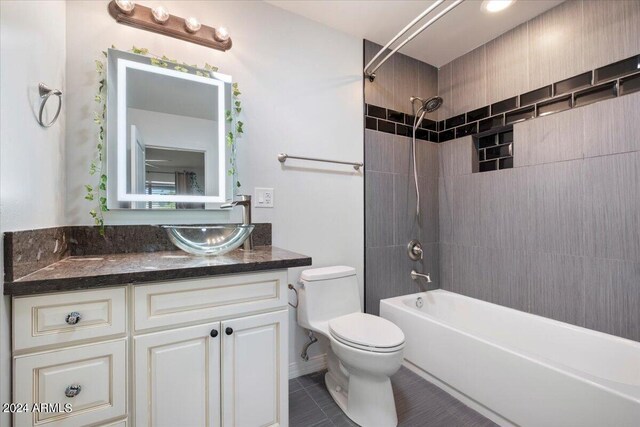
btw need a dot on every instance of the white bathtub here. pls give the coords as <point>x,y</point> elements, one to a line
<point>518,368</point>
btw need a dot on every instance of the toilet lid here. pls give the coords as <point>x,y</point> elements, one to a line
<point>366,330</point>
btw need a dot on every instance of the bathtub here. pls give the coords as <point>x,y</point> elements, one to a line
<point>517,368</point>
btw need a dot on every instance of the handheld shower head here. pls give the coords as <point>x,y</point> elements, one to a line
<point>426,106</point>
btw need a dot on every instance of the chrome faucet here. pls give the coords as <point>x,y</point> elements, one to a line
<point>244,200</point>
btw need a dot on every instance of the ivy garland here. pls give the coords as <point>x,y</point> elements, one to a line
<point>99,192</point>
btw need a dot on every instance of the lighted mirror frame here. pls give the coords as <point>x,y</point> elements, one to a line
<point>119,63</point>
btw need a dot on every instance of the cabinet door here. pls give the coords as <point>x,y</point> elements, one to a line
<point>177,377</point>
<point>255,371</point>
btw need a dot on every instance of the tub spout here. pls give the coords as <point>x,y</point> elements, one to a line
<point>415,275</point>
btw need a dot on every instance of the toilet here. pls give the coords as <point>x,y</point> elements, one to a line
<point>365,349</point>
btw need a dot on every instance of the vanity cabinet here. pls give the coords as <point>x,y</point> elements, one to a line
<point>199,352</point>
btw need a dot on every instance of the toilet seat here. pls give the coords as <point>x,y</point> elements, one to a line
<point>367,332</point>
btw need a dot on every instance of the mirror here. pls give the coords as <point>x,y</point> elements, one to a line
<point>166,132</point>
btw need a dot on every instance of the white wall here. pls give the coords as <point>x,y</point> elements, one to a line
<point>32,163</point>
<point>302,94</point>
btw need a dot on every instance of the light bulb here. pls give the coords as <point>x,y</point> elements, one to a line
<point>494,6</point>
<point>221,34</point>
<point>125,6</point>
<point>192,24</point>
<point>160,14</point>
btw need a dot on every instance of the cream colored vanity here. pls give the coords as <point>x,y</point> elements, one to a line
<point>209,351</point>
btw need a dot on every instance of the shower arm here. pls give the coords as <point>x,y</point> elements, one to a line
<point>371,75</point>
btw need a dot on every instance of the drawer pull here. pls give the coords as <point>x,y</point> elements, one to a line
<point>73,318</point>
<point>73,390</point>
<point>228,331</point>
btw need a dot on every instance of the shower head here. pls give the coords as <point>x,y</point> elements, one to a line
<point>426,106</point>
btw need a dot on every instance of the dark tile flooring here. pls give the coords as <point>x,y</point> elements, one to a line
<point>418,402</point>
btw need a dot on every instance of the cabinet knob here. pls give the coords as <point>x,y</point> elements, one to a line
<point>228,331</point>
<point>73,318</point>
<point>73,390</point>
<point>214,333</point>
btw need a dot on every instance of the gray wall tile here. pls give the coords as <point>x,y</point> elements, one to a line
<point>429,210</point>
<point>612,126</point>
<point>556,45</point>
<point>455,157</point>
<point>445,74</point>
<point>553,138</point>
<point>507,65</point>
<point>611,31</point>
<point>503,215</point>
<point>556,206</point>
<point>445,209</point>
<point>469,82</point>
<point>612,206</point>
<point>466,210</point>
<point>445,267</point>
<point>402,157</point>
<point>380,91</point>
<point>557,287</point>
<point>413,78</point>
<point>427,157</point>
<point>378,149</point>
<point>612,290</point>
<point>378,209</point>
<point>398,79</point>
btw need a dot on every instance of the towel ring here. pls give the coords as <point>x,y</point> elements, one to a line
<point>45,94</point>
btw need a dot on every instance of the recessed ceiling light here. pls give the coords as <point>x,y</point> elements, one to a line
<point>494,6</point>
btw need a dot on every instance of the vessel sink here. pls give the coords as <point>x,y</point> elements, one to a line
<point>208,239</point>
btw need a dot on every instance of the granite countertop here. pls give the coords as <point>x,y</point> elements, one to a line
<point>95,271</point>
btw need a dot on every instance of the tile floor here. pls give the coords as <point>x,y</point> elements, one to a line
<point>418,402</point>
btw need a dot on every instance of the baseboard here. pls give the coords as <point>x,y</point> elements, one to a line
<point>476,406</point>
<point>314,364</point>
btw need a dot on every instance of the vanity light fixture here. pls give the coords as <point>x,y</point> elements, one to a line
<point>192,25</point>
<point>158,20</point>
<point>493,6</point>
<point>125,6</point>
<point>221,34</point>
<point>160,14</point>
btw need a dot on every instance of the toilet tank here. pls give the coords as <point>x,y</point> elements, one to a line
<point>326,293</point>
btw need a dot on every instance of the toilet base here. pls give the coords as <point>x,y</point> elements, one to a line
<point>363,392</point>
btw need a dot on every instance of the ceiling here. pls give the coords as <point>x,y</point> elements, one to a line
<point>460,31</point>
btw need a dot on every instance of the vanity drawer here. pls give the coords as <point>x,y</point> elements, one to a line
<point>172,303</point>
<point>49,319</point>
<point>92,378</point>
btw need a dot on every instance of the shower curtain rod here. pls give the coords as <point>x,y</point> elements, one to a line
<point>371,75</point>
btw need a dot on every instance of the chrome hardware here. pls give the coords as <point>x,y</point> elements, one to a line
<point>73,390</point>
<point>305,348</point>
<point>415,275</point>
<point>244,200</point>
<point>419,302</point>
<point>73,318</point>
<point>214,333</point>
<point>45,93</point>
<point>282,157</point>
<point>414,248</point>
<point>228,331</point>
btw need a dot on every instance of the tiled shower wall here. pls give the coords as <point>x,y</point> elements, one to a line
<point>559,234</point>
<point>572,38</point>
<point>390,220</point>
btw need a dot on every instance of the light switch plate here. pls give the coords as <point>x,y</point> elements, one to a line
<point>263,198</point>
